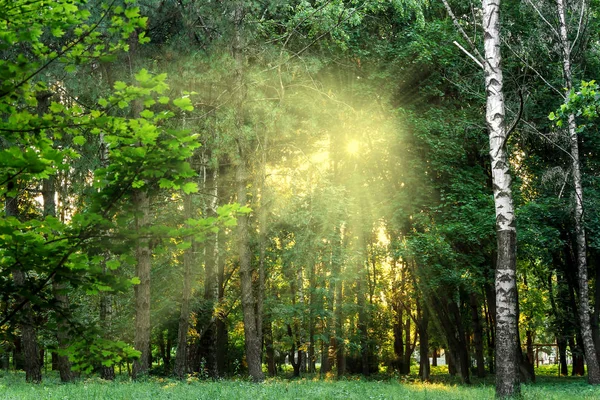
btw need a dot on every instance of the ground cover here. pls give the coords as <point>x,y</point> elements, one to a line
<point>443,387</point>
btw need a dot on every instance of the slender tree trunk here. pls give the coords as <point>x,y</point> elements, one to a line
<point>450,362</point>
<point>30,350</point>
<point>584,306</point>
<point>106,299</point>
<point>252,337</point>
<point>577,368</point>
<point>407,343</point>
<point>221,318</point>
<point>252,334</point>
<point>339,315</point>
<point>424,366</point>
<point>311,318</point>
<point>59,290</point>
<point>596,313</point>
<point>142,290</point>
<point>562,355</point>
<point>477,335</point>
<point>181,356</point>
<point>270,349</point>
<point>490,301</point>
<point>507,371</point>
<point>211,287</point>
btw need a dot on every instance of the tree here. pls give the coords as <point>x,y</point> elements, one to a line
<point>507,371</point>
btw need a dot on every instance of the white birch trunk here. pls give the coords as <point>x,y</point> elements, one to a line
<point>584,306</point>
<point>507,371</point>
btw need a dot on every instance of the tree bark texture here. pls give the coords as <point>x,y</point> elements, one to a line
<point>507,371</point>
<point>142,290</point>
<point>251,334</point>
<point>584,306</point>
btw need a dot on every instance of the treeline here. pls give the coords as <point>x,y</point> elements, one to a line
<point>212,187</point>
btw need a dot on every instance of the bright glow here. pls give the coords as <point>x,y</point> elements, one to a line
<point>353,147</point>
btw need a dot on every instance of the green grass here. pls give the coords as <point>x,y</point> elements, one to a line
<point>443,387</point>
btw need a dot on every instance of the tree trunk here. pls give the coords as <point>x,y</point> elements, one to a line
<point>507,375</point>
<point>30,350</point>
<point>59,289</point>
<point>221,318</point>
<point>424,368</point>
<point>490,301</point>
<point>106,310</point>
<point>362,327</point>
<point>270,349</point>
<point>208,343</point>
<point>181,356</point>
<point>340,350</point>
<point>142,290</point>
<point>251,334</point>
<point>253,343</point>
<point>562,355</point>
<point>450,362</point>
<point>477,335</point>
<point>399,340</point>
<point>596,314</point>
<point>578,368</point>
<point>584,306</point>
<point>311,318</point>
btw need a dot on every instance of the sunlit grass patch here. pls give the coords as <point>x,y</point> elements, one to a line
<point>13,386</point>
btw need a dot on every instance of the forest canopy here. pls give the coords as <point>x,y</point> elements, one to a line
<point>347,187</point>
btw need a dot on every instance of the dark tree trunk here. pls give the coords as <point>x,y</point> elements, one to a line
<point>311,361</point>
<point>450,362</point>
<point>30,349</point>
<point>142,290</point>
<point>294,351</point>
<point>434,357</point>
<point>424,368</point>
<point>578,367</point>
<point>490,301</point>
<point>339,330</point>
<point>595,261</point>
<point>59,290</point>
<point>251,313</point>
<point>270,349</point>
<point>477,335</point>
<point>399,342</point>
<point>562,355</point>
<point>221,318</point>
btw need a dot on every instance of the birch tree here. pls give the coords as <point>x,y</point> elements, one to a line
<point>507,372</point>
<point>507,361</point>
<point>584,306</point>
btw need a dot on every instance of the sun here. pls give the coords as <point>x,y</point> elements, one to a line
<point>353,147</point>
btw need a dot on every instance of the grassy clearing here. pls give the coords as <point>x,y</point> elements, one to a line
<point>12,386</point>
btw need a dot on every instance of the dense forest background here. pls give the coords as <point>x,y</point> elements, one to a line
<point>213,186</point>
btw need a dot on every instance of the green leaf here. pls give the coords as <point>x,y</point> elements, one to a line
<point>143,76</point>
<point>79,140</point>
<point>147,114</point>
<point>184,103</point>
<point>190,187</point>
